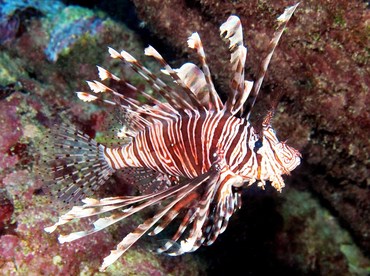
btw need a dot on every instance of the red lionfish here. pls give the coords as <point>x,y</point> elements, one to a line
<point>196,151</point>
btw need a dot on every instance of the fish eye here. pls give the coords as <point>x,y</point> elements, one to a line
<point>258,144</point>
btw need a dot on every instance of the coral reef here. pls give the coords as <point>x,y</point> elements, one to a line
<point>69,25</point>
<point>13,15</point>
<point>319,226</point>
<point>10,132</point>
<point>321,72</point>
<point>64,24</point>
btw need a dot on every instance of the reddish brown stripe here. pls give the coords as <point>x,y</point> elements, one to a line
<point>249,153</point>
<point>198,138</point>
<point>217,134</point>
<point>107,155</point>
<point>187,140</point>
<point>136,151</point>
<point>152,151</point>
<point>171,141</point>
<point>235,141</point>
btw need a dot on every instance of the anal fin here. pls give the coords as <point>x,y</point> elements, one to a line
<point>146,180</point>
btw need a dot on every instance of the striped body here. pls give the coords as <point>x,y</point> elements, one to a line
<point>184,146</point>
<point>189,155</point>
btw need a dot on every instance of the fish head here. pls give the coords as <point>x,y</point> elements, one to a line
<point>275,158</point>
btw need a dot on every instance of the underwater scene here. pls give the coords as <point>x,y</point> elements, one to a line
<point>184,137</point>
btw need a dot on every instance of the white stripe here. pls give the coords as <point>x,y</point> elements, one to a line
<point>111,156</point>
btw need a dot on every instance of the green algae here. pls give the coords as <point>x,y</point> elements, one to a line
<point>318,234</point>
<point>339,20</point>
<point>57,260</point>
<point>358,264</point>
<point>10,69</point>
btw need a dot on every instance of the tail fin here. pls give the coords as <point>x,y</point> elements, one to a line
<point>72,165</point>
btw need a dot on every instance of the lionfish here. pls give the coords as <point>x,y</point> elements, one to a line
<point>192,151</point>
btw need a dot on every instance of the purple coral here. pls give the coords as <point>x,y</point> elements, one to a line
<point>8,28</point>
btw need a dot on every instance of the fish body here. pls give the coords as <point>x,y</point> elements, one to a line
<point>189,155</point>
<point>184,146</point>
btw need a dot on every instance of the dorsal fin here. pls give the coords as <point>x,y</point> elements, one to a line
<point>282,21</point>
<point>195,43</point>
<point>194,78</point>
<point>171,96</point>
<point>136,115</point>
<point>150,51</point>
<point>232,31</point>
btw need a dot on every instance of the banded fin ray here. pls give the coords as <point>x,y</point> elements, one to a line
<point>282,22</point>
<point>197,216</point>
<point>150,51</point>
<point>171,96</point>
<point>228,202</point>
<point>122,83</point>
<point>128,108</point>
<point>134,115</point>
<point>210,178</point>
<point>194,78</point>
<point>195,43</point>
<point>232,31</point>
